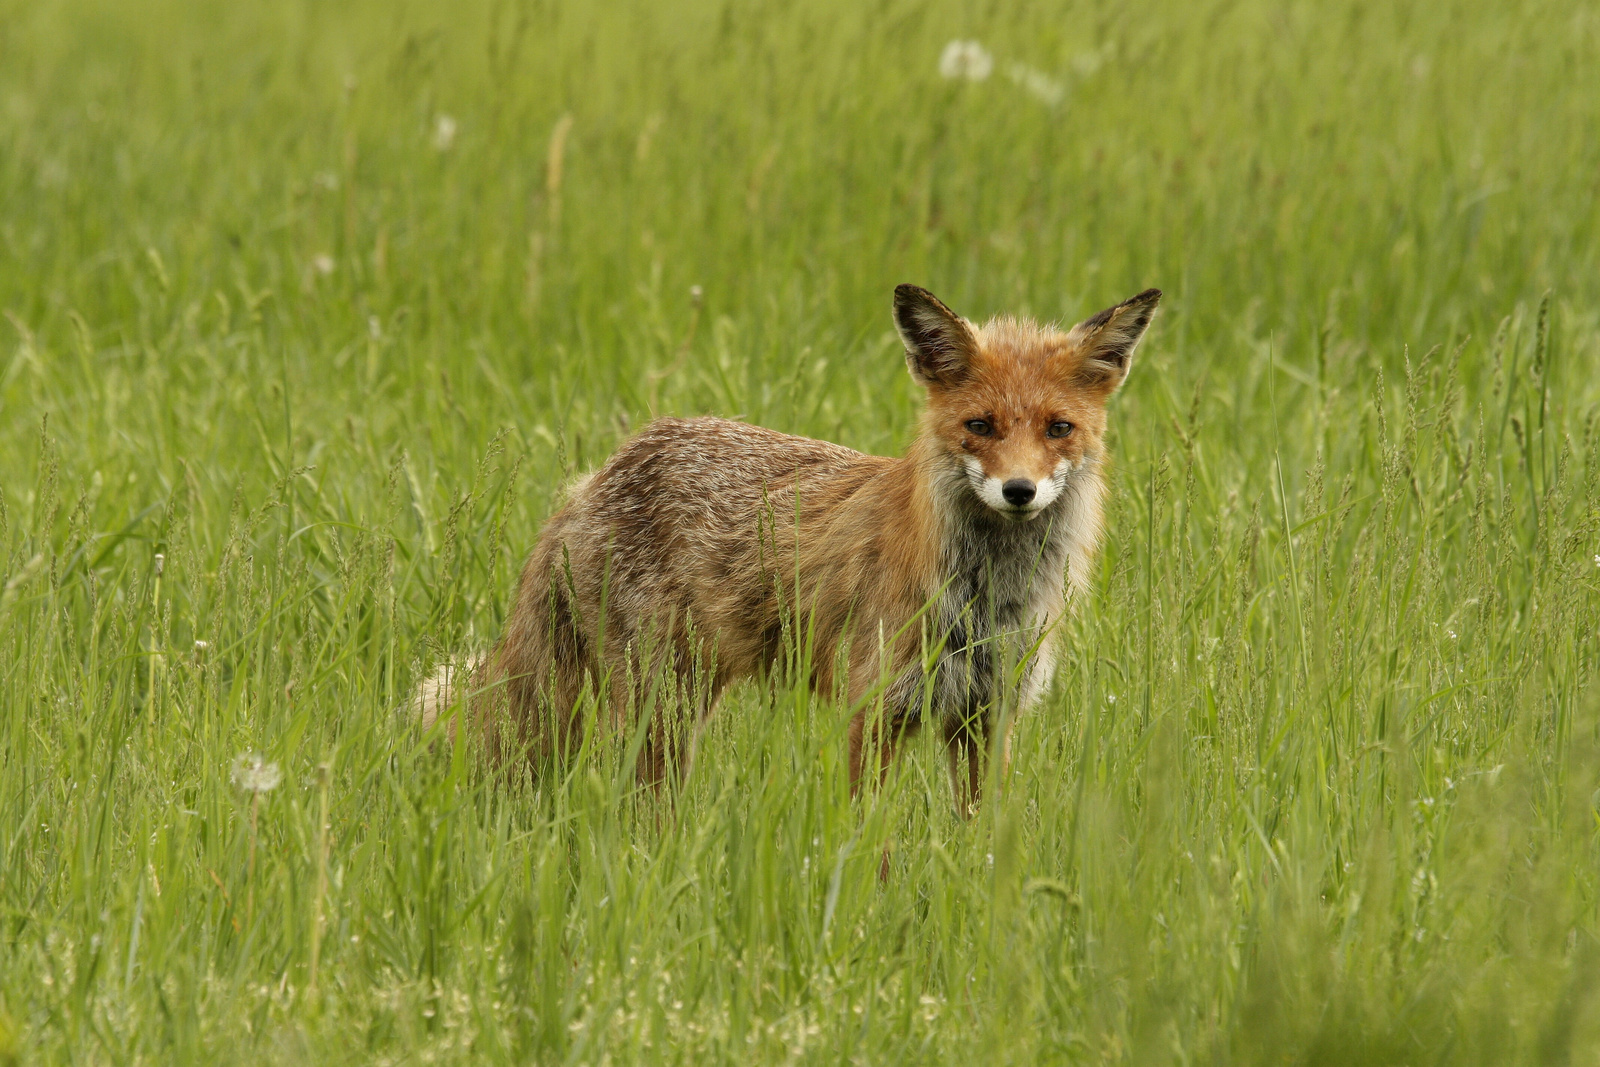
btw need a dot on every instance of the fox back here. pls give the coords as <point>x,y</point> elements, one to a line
<point>924,588</point>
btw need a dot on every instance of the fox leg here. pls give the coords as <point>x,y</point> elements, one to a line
<point>1005,754</point>
<point>966,782</point>
<point>880,734</point>
<point>966,747</point>
<point>685,688</point>
<point>885,738</point>
<point>669,734</point>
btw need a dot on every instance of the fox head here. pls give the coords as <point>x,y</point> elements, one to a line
<point>1018,408</point>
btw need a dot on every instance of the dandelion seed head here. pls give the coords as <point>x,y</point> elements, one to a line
<point>444,133</point>
<point>254,773</point>
<point>965,59</point>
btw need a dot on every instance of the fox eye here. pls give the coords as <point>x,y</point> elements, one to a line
<point>1059,429</point>
<point>980,427</point>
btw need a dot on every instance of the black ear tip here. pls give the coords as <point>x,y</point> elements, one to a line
<point>905,292</point>
<point>1152,297</point>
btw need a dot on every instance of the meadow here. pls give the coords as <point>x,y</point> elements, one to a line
<point>310,310</point>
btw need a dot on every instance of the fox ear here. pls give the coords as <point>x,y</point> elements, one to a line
<point>939,345</point>
<point>1106,341</point>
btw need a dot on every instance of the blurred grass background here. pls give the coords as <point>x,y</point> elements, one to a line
<point>323,303</point>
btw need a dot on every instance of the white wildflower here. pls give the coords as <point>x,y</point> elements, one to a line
<point>965,59</point>
<point>200,647</point>
<point>322,262</point>
<point>253,773</point>
<point>1038,84</point>
<point>444,133</point>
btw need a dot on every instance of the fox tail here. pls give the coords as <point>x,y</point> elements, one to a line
<point>444,687</point>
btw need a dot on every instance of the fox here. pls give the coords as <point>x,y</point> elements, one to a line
<point>927,587</point>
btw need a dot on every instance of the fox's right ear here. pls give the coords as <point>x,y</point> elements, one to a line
<point>939,345</point>
<point>1107,340</point>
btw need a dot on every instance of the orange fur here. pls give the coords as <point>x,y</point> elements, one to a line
<point>705,551</point>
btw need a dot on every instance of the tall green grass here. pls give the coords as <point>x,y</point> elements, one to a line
<point>320,305</point>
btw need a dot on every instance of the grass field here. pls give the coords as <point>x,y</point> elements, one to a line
<point>311,309</point>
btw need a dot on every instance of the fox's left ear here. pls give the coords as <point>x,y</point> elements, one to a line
<point>1105,342</point>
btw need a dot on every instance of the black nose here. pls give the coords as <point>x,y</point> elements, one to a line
<point>1018,491</point>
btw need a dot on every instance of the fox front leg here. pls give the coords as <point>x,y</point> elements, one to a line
<point>965,751</point>
<point>880,734</point>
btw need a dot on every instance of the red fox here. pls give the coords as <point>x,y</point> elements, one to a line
<point>924,587</point>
